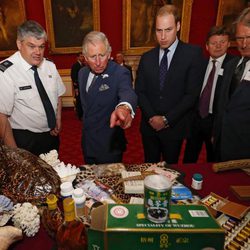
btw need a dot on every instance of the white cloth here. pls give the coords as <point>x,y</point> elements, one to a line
<point>19,97</point>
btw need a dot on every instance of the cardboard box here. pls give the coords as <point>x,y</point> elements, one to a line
<point>123,227</point>
<point>217,205</point>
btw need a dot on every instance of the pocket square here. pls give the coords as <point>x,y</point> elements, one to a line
<point>103,87</point>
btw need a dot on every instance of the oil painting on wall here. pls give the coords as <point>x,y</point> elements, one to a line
<point>68,21</point>
<point>12,14</point>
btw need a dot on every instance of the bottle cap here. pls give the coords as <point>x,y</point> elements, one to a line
<point>197,177</point>
<point>66,188</point>
<point>78,193</point>
<point>51,201</point>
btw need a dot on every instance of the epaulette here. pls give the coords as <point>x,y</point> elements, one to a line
<point>5,65</point>
<point>48,59</point>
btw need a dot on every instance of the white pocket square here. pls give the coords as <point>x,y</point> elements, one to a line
<point>103,87</point>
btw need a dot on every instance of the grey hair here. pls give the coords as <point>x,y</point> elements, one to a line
<point>244,18</point>
<point>31,28</point>
<point>93,37</point>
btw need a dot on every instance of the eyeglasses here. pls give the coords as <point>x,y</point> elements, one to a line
<point>242,38</point>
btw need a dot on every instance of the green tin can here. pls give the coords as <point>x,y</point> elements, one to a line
<point>157,195</point>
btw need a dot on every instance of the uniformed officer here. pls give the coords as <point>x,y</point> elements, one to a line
<point>25,113</point>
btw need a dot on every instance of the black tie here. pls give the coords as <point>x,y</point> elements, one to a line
<point>238,74</point>
<point>206,93</point>
<point>163,68</point>
<point>50,113</point>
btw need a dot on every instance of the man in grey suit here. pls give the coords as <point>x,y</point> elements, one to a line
<point>108,102</point>
<point>166,98</point>
<point>232,125</point>
<point>201,125</point>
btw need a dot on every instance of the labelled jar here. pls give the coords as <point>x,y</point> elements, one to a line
<point>197,181</point>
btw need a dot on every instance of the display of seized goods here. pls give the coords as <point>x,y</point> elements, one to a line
<point>26,177</point>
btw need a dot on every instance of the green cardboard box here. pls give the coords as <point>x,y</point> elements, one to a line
<point>123,227</point>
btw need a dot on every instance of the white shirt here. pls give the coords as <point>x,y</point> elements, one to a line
<point>19,97</point>
<point>219,71</point>
<point>246,73</point>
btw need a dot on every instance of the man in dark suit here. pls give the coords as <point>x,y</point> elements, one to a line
<point>201,125</point>
<point>74,77</point>
<point>108,102</point>
<point>232,133</point>
<point>119,58</point>
<point>166,98</point>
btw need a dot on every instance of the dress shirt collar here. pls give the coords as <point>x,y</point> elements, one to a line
<point>218,60</point>
<point>171,49</point>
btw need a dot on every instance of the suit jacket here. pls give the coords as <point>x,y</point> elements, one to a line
<point>109,89</point>
<point>228,57</point>
<point>74,73</point>
<point>130,70</point>
<point>180,92</point>
<point>232,133</point>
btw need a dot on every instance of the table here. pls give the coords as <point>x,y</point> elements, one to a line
<point>218,183</point>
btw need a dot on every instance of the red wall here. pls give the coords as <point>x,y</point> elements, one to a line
<point>203,17</point>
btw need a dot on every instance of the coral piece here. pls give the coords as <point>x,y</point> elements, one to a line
<point>51,158</point>
<point>26,217</point>
<point>9,235</point>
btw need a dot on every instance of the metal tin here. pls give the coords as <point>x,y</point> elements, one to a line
<point>157,195</point>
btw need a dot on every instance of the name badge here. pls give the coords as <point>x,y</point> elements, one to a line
<point>221,71</point>
<point>25,87</point>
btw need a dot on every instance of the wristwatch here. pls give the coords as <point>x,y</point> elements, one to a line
<point>125,106</point>
<point>165,120</point>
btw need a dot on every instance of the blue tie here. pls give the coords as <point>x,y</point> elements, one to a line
<point>163,68</point>
<point>50,113</point>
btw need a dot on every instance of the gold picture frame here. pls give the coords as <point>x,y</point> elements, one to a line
<point>131,14</point>
<point>228,10</point>
<point>68,21</point>
<point>12,14</point>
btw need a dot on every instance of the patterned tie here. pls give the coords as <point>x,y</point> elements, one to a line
<point>206,93</point>
<point>50,113</point>
<point>236,79</point>
<point>163,68</point>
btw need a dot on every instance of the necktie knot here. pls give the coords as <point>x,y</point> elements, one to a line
<point>34,68</point>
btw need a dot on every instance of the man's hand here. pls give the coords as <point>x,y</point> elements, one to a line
<point>157,122</point>
<point>121,116</point>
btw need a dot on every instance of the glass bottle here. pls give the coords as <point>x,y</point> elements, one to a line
<point>71,235</point>
<point>52,217</point>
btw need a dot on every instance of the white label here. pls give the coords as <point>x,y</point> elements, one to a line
<point>198,213</point>
<point>119,212</point>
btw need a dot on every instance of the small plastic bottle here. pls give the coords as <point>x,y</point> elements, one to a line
<point>79,199</point>
<point>197,181</point>
<point>66,189</point>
